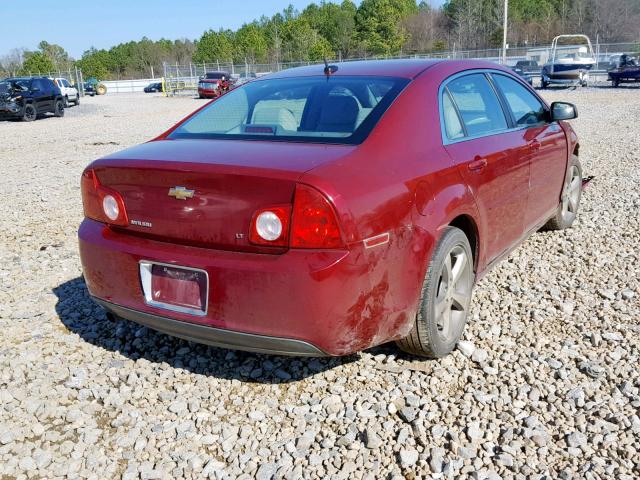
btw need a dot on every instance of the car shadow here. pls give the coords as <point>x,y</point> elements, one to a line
<point>39,118</point>
<point>80,315</point>
<point>623,86</point>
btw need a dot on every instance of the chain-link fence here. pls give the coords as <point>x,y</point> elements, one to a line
<point>183,79</point>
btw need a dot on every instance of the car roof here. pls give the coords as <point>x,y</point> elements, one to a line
<point>402,68</point>
<point>405,68</point>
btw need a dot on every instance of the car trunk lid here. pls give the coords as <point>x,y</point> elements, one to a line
<point>205,192</point>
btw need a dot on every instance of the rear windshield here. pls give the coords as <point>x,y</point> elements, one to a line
<point>215,75</point>
<point>306,109</point>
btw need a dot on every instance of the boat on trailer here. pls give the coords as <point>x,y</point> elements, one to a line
<point>570,59</point>
<point>623,69</point>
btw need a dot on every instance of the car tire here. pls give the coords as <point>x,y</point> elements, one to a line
<point>570,198</point>
<point>445,298</point>
<point>29,114</point>
<point>77,100</point>
<point>616,83</point>
<point>66,102</point>
<point>58,109</point>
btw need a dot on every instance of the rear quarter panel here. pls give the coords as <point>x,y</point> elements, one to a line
<point>400,181</point>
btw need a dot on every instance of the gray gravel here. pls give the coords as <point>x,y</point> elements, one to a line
<point>546,383</point>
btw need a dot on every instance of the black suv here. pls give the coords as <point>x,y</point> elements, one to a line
<point>27,97</point>
<point>527,66</point>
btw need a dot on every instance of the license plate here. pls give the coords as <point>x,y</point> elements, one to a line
<point>176,288</point>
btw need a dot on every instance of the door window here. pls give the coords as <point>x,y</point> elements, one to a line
<point>37,84</point>
<point>527,110</point>
<point>478,104</point>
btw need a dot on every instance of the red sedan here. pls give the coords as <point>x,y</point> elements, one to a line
<point>322,211</point>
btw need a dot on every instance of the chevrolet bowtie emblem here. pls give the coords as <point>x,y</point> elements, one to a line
<point>181,193</point>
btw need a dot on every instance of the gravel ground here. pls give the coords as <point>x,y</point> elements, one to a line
<point>545,385</point>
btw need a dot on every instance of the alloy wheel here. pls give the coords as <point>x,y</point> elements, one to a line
<point>571,194</point>
<point>30,113</point>
<point>453,294</point>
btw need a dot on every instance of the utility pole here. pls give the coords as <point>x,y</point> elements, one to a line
<point>504,32</point>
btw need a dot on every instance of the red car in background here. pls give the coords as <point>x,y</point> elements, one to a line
<point>214,84</point>
<point>325,210</point>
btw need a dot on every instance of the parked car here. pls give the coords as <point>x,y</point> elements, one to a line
<point>214,84</point>
<point>525,76</point>
<point>28,97</point>
<point>624,69</point>
<point>314,214</point>
<point>69,92</point>
<point>245,78</point>
<point>153,87</point>
<point>527,66</point>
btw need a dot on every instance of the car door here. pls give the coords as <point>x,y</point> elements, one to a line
<point>544,143</point>
<point>40,96</point>
<point>478,136</point>
<point>52,91</point>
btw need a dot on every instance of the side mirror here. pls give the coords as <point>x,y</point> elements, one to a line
<point>563,111</point>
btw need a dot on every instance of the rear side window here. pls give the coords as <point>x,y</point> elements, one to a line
<point>527,110</point>
<point>38,84</point>
<point>336,109</point>
<point>452,123</point>
<point>478,104</point>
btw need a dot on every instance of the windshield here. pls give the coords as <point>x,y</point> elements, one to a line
<point>314,109</point>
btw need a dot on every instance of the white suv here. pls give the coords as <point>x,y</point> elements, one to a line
<point>69,92</point>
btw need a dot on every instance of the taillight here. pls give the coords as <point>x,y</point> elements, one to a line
<point>270,226</point>
<point>311,223</point>
<point>101,203</point>
<point>314,223</point>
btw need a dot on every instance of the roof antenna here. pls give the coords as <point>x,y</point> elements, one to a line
<point>329,69</point>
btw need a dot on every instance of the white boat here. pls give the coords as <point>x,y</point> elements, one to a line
<point>570,59</point>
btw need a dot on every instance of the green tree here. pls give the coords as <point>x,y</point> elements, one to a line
<point>336,23</point>
<point>214,46</point>
<point>95,63</point>
<point>378,24</point>
<point>301,42</point>
<point>320,49</point>
<point>251,43</point>
<point>56,54</point>
<point>36,63</point>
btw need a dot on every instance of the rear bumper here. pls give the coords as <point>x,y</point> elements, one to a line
<point>302,302</point>
<point>217,337</point>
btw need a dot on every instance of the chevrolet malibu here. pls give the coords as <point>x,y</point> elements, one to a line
<point>325,210</point>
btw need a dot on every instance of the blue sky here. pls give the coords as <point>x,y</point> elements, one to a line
<point>102,24</point>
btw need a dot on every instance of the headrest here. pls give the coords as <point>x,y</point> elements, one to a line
<point>339,114</point>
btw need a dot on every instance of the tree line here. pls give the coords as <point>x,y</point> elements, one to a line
<point>343,30</point>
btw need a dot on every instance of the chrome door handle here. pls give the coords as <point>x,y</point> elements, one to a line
<point>477,165</point>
